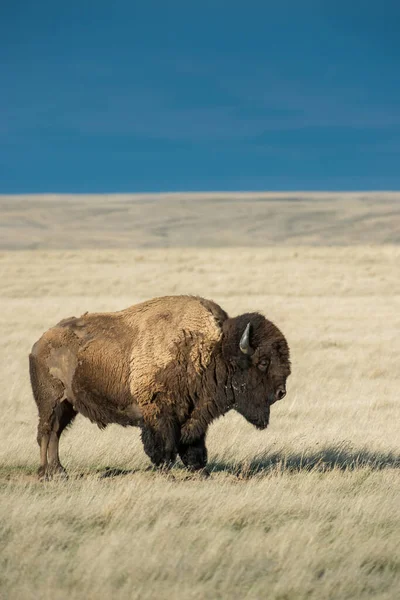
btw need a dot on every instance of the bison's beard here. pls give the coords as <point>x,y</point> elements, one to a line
<point>262,425</point>
<point>260,421</point>
<point>252,399</point>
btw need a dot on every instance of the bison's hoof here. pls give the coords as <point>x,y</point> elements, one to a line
<point>41,473</point>
<point>166,466</point>
<point>197,474</point>
<point>203,473</point>
<point>53,472</point>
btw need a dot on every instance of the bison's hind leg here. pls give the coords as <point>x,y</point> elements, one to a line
<point>63,416</point>
<point>55,413</point>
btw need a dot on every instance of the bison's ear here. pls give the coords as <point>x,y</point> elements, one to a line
<point>244,343</point>
<point>282,349</point>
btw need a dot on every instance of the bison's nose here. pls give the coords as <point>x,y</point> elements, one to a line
<point>280,393</point>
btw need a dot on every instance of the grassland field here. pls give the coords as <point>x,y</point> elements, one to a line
<point>309,508</point>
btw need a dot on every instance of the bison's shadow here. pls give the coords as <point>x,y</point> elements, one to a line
<point>116,472</point>
<point>342,458</point>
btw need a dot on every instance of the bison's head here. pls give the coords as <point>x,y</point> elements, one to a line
<point>259,356</point>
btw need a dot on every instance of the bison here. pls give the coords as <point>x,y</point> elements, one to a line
<point>170,366</point>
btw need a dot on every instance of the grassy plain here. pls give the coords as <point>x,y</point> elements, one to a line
<point>307,509</point>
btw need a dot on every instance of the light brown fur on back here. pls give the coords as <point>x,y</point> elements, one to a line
<point>171,319</point>
<point>112,359</point>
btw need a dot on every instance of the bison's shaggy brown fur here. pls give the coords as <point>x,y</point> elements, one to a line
<point>170,366</point>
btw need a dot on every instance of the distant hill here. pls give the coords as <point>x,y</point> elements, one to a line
<point>198,220</point>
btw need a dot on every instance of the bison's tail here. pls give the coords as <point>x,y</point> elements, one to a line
<point>34,376</point>
<point>47,390</point>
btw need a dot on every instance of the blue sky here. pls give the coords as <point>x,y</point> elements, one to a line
<point>212,95</point>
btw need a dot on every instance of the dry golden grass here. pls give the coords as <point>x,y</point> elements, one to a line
<point>307,509</point>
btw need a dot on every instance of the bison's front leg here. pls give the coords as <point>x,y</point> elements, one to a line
<point>160,445</point>
<point>194,455</point>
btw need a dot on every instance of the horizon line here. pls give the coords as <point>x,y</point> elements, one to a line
<point>210,193</point>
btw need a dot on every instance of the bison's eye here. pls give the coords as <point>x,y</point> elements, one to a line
<point>280,393</point>
<point>263,364</point>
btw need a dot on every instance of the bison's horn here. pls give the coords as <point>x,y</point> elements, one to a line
<point>244,343</point>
